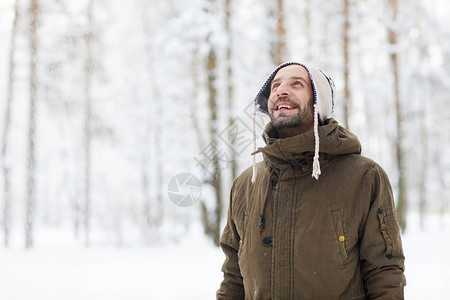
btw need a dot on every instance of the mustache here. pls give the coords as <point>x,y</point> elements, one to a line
<point>285,99</point>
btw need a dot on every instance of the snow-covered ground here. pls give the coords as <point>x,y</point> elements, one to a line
<point>427,259</point>
<point>190,270</point>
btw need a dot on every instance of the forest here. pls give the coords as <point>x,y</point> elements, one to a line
<point>110,111</point>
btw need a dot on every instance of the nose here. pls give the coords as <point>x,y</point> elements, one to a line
<point>283,90</point>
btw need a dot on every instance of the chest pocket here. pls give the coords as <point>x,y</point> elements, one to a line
<point>337,210</point>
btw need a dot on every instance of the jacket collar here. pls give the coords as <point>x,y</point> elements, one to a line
<point>298,151</point>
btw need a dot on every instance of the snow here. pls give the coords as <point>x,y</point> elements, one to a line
<point>58,269</point>
<point>190,270</point>
<point>157,273</point>
<point>427,262</point>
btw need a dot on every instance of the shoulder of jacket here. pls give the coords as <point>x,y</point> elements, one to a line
<point>243,183</point>
<point>246,175</point>
<point>372,167</point>
<point>359,160</point>
<point>364,164</point>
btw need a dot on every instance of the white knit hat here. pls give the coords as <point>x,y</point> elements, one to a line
<point>323,90</point>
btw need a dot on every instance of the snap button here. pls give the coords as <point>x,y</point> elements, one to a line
<point>302,162</point>
<point>261,223</point>
<point>383,227</point>
<point>267,241</point>
<point>341,238</point>
<point>389,242</point>
<point>273,183</point>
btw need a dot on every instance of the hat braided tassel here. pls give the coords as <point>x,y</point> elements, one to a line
<point>254,143</point>
<point>316,165</point>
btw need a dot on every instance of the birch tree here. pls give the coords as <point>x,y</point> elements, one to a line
<point>307,22</point>
<point>33,84</point>
<point>280,45</point>
<point>6,162</point>
<point>399,144</point>
<point>88,68</point>
<point>346,31</point>
<point>153,204</point>
<point>229,81</point>
<point>212,221</point>
<point>145,159</point>
<point>422,188</point>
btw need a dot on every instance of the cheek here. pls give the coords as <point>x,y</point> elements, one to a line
<point>305,99</point>
<point>270,102</point>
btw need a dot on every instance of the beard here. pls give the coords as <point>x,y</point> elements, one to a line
<point>303,117</point>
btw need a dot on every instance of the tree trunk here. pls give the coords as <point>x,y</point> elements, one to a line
<point>212,220</point>
<point>146,197</point>
<point>442,151</point>
<point>31,183</point>
<point>308,30</point>
<point>76,215</point>
<point>6,163</point>
<point>401,198</point>
<point>346,31</point>
<point>158,168</point>
<point>88,68</point>
<point>280,47</point>
<point>193,103</point>
<point>423,166</point>
<point>145,153</point>
<point>153,204</point>
<point>229,84</point>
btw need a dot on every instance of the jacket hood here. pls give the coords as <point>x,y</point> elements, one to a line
<point>334,140</point>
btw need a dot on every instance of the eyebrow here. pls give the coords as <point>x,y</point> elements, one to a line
<point>292,77</point>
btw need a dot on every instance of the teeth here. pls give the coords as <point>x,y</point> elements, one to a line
<point>284,106</point>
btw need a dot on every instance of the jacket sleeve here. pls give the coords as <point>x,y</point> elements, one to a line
<point>232,284</point>
<point>381,252</point>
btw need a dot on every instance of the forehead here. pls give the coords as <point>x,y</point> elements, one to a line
<point>292,71</point>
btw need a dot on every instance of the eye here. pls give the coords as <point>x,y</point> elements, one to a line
<point>275,86</point>
<point>298,83</point>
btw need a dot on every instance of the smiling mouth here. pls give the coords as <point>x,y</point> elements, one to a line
<point>285,106</point>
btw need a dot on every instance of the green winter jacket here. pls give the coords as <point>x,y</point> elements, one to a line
<point>290,236</point>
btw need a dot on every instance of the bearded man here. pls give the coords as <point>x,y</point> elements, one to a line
<point>315,219</point>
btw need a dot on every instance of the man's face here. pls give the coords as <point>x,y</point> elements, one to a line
<point>291,97</point>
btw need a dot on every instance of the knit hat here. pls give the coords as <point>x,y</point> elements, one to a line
<point>323,90</point>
